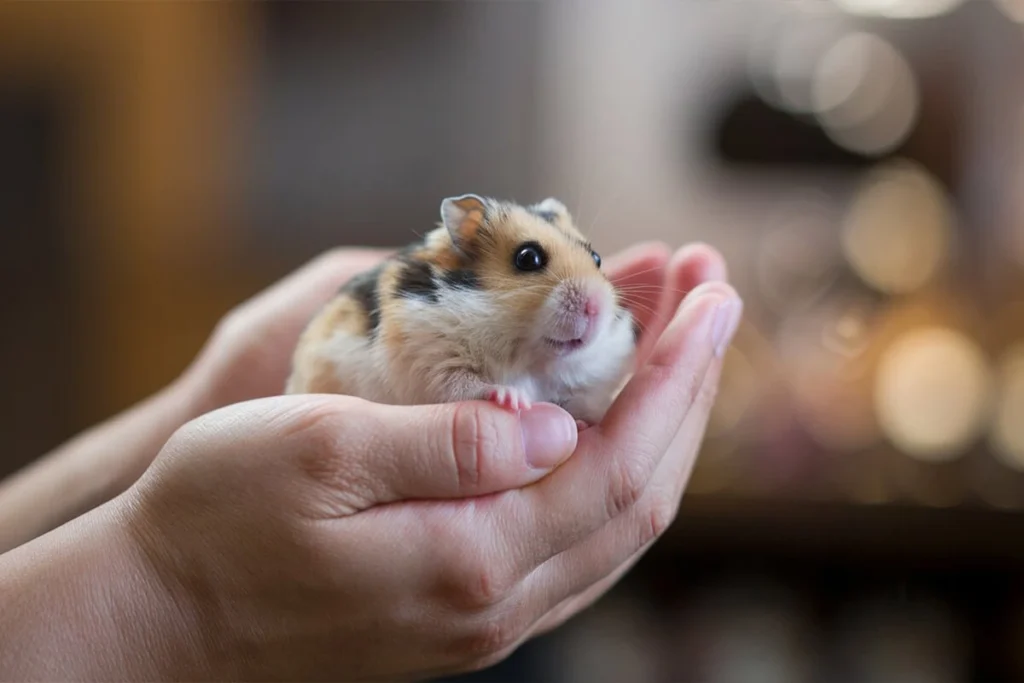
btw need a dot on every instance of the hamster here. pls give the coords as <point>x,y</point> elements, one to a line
<point>500,302</point>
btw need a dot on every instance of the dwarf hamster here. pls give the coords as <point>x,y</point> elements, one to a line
<point>499,302</point>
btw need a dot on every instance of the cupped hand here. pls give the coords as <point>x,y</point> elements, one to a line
<point>326,537</point>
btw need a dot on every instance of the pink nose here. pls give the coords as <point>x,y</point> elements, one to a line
<point>592,307</point>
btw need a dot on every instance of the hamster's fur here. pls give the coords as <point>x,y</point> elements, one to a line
<point>500,302</point>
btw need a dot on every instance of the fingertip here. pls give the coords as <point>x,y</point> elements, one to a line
<point>714,290</point>
<point>721,308</point>
<point>677,365</point>
<point>549,435</point>
<point>642,258</point>
<point>697,263</point>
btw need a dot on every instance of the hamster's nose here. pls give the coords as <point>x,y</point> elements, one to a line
<point>592,307</point>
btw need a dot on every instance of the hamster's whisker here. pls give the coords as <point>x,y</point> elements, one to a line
<point>636,303</point>
<point>638,273</point>
<point>639,307</point>
<point>653,289</point>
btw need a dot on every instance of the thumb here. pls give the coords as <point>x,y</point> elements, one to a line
<point>455,450</point>
<point>368,453</point>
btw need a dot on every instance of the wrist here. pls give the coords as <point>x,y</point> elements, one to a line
<point>82,602</point>
<point>92,468</point>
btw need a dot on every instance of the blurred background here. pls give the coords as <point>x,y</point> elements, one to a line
<point>857,513</point>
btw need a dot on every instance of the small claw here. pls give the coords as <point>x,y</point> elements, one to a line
<point>509,398</point>
<point>581,425</point>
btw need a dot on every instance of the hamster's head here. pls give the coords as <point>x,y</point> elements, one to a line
<point>542,275</point>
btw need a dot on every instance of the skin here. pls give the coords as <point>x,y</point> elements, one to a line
<point>323,537</point>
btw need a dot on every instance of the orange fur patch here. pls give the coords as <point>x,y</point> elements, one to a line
<point>312,373</point>
<point>390,331</point>
<point>473,220</point>
<point>568,258</point>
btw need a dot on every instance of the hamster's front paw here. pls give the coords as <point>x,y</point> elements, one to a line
<point>509,397</point>
<point>581,426</point>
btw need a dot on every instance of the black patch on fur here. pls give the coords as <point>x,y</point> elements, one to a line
<point>463,278</point>
<point>417,281</point>
<point>363,288</point>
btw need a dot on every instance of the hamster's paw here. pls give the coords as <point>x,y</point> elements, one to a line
<point>509,397</point>
<point>581,425</point>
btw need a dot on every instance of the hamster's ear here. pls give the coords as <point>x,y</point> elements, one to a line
<point>551,210</point>
<point>463,217</point>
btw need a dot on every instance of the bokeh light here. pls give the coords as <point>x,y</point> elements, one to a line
<point>899,9</point>
<point>793,67</point>
<point>865,94</point>
<point>898,229</point>
<point>932,393</point>
<point>783,53</point>
<point>1013,9</point>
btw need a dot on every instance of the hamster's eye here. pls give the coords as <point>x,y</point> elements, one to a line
<point>597,258</point>
<point>530,256</point>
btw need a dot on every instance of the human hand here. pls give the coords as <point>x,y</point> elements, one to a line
<point>328,537</point>
<point>247,357</point>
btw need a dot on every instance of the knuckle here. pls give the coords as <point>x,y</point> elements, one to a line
<point>480,585</point>
<point>474,437</point>
<point>233,323</point>
<point>627,485</point>
<point>336,258</point>
<point>488,642</point>
<point>321,429</point>
<point>660,515</point>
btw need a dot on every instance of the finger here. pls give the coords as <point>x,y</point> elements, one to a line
<point>360,454</point>
<point>588,570</point>
<point>374,454</point>
<point>615,459</point>
<point>689,267</point>
<point>576,603</point>
<point>638,275</point>
<point>458,450</point>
